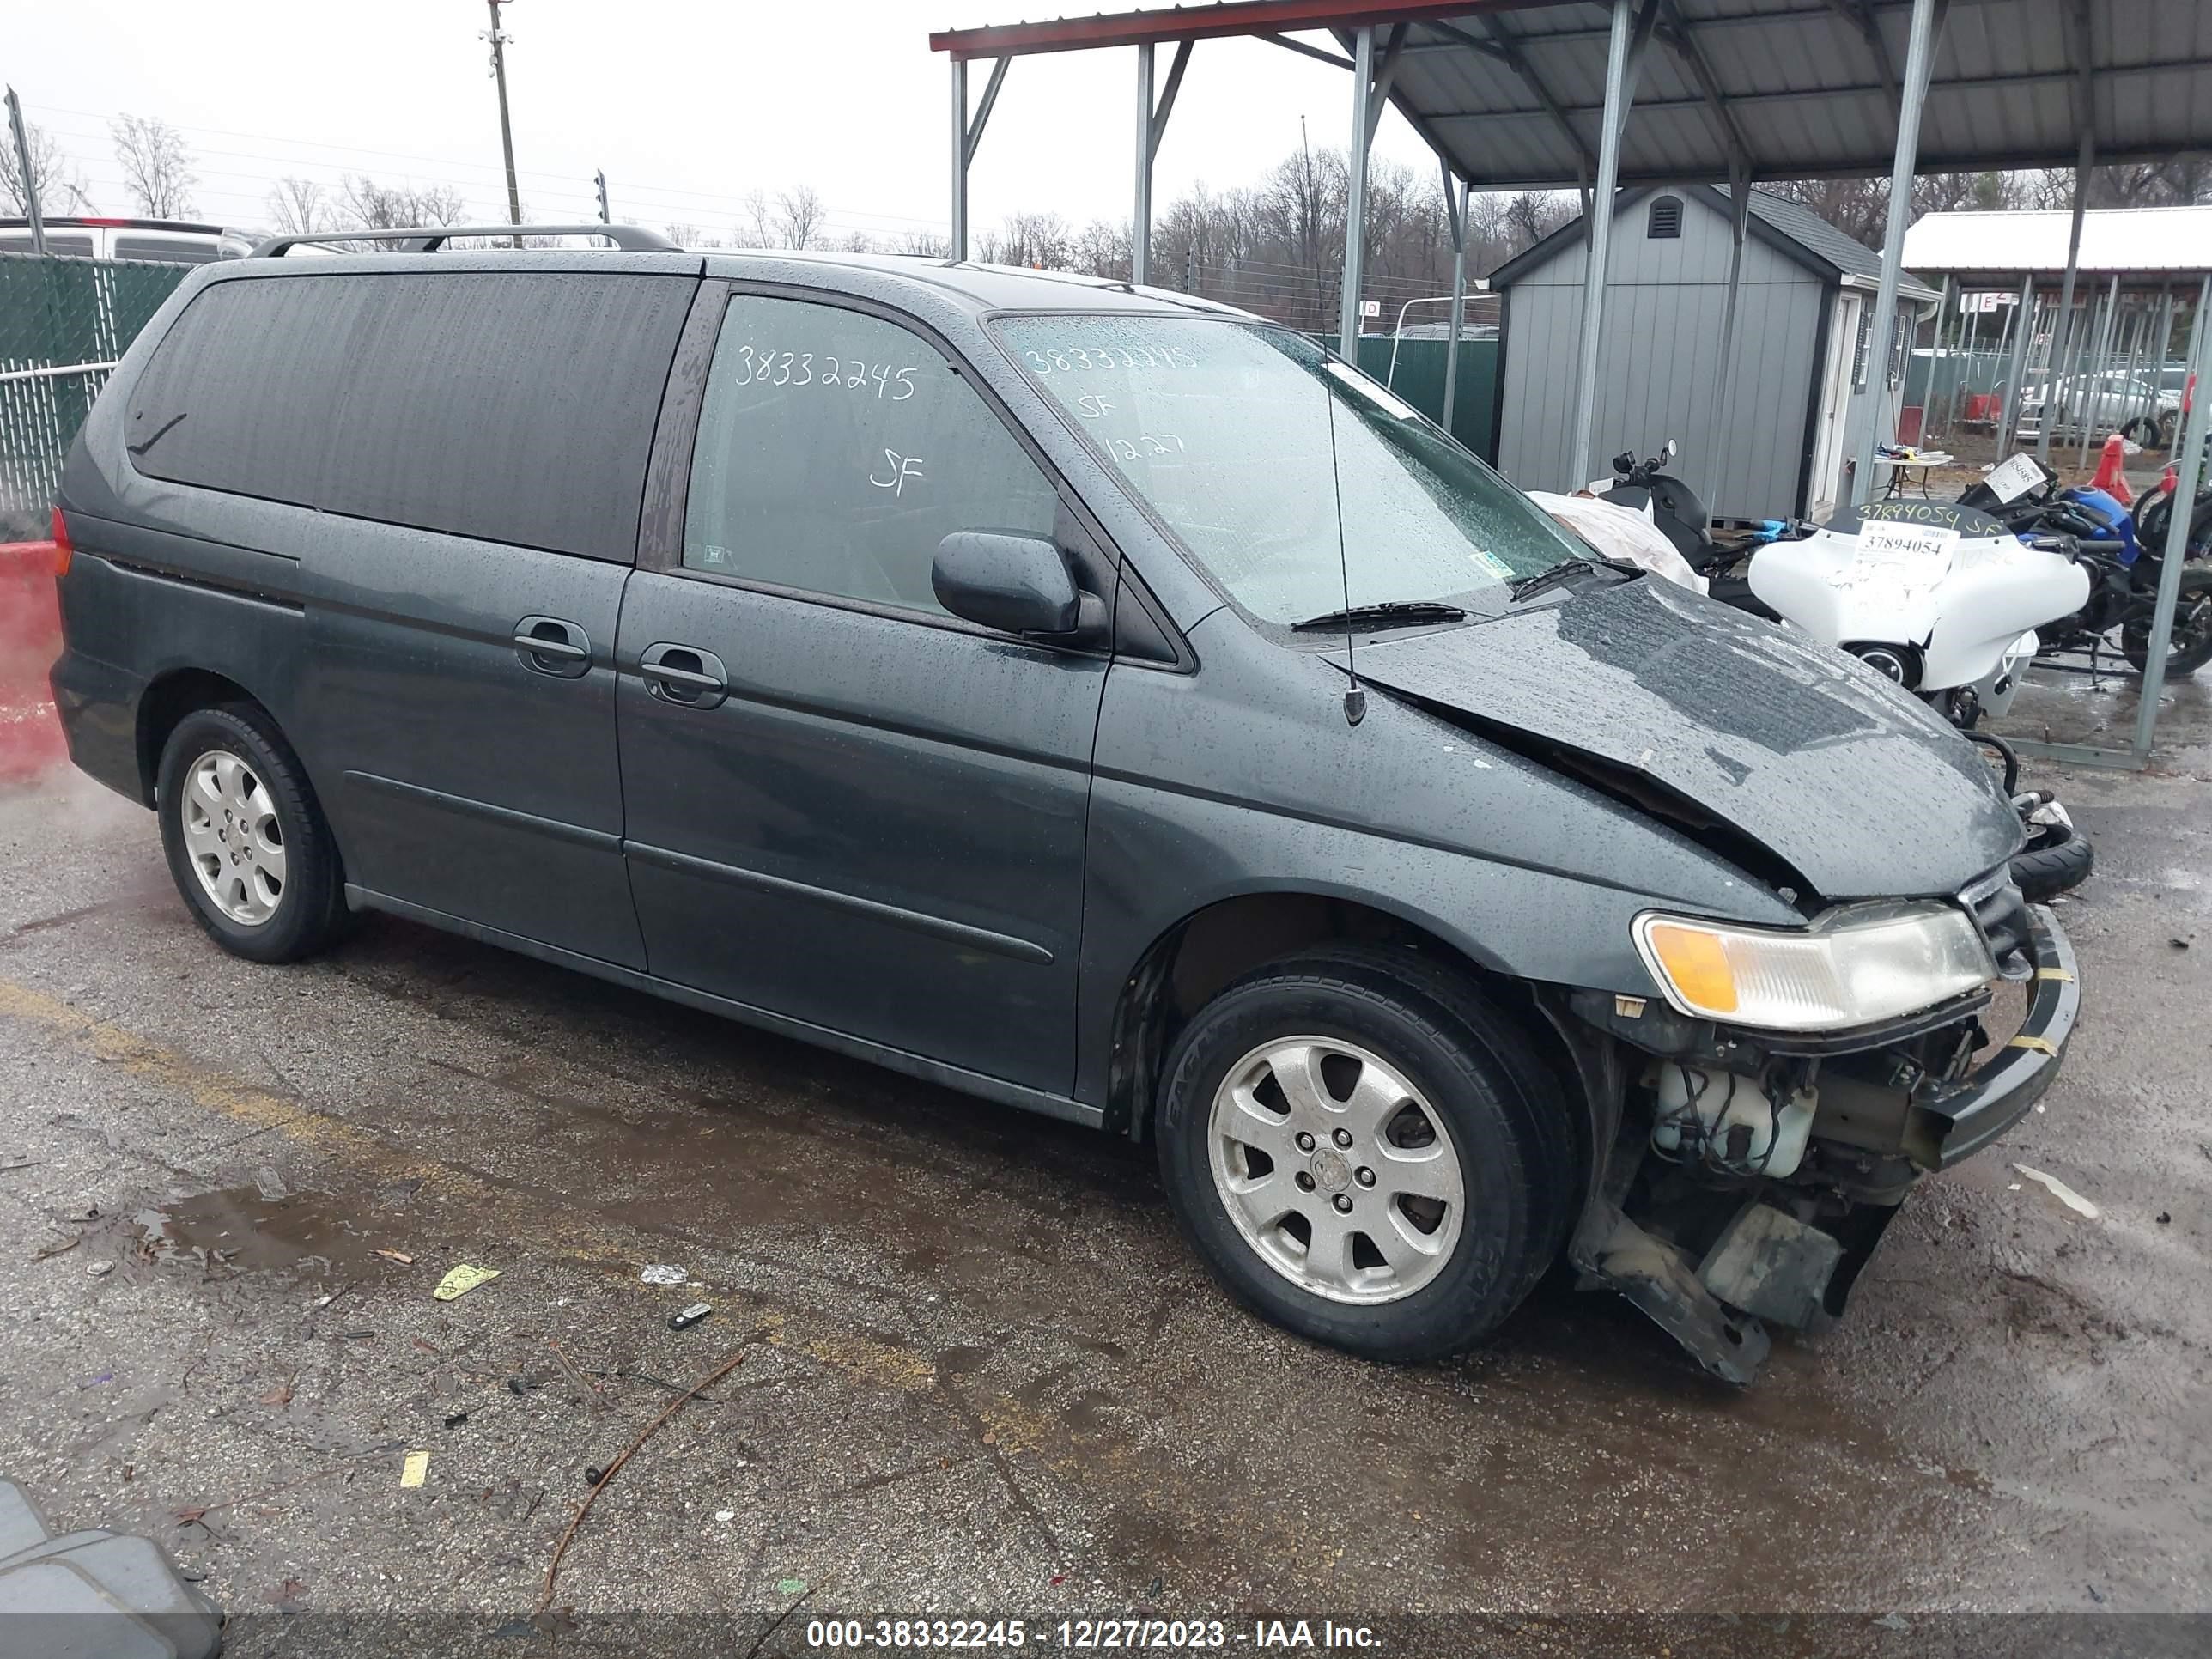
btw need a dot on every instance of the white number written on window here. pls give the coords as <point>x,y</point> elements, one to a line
<point>1071,359</point>
<point>771,366</point>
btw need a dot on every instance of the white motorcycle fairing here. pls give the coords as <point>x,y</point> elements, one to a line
<point>1963,604</point>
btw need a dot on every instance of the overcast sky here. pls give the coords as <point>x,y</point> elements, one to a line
<point>687,108</point>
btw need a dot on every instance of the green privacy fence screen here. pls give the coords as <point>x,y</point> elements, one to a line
<point>1419,380</point>
<point>60,321</point>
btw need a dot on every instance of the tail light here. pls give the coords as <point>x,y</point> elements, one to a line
<point>62,547</point>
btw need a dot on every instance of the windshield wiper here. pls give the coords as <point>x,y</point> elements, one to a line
<point>1551,576</point>
<point>1392,613</point>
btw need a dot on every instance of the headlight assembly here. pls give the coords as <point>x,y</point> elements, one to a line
<point>1853,967</point>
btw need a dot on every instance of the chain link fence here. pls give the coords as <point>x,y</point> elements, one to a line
<point>63,322</point>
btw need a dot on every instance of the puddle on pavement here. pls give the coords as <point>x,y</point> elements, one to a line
<point>240,1229</point>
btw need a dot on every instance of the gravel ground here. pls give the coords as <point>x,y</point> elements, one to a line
<point>977,1372</point>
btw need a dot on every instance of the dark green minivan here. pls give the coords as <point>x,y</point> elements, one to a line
<point>1098,700</point>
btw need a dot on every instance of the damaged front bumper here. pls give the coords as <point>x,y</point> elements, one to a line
<point>1751,1177</point>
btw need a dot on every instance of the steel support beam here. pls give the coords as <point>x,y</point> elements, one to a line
<point>2188,473</point>
<point>1716,433</point>
<point>2063,344</point>
<point>1684,44</point>
<point>1141,223</point>
<point>2099,359</point>
<point>1599,243</point>
<point>1920,55</point>
<point>1516,60</point>
<point>966,135</point>
<point>2023,328</point>
<point>1355,194</point>
<point>1456,207</point>
<point>1151,127</point>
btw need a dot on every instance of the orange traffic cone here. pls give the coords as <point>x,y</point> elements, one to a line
<point>2112,476</point>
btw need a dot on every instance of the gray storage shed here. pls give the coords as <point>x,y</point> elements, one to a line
<point>1768,440</point>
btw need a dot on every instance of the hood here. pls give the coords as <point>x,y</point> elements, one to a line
<point>1750,735</point>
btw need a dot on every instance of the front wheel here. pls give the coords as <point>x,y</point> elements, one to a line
<point>246,841</point>
<point>1366,1152</point>
<point>2190,646</point>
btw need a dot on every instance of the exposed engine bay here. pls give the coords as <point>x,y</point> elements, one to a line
<point>1754,1172</point>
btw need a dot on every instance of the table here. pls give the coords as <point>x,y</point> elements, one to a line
<point>1899,465</point>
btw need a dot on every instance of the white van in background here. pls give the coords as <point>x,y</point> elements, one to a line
<point>161,240</point>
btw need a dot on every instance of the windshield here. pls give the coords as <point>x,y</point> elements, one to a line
<point>1264,455</point>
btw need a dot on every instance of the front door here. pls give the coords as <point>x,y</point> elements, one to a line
<point>844,805</point>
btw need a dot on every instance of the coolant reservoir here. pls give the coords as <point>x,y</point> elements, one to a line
<point>1725,1119</point>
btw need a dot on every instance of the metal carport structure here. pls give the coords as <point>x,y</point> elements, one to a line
<point>1536,95</point>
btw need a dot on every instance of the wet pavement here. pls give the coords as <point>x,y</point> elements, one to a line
<point>979,1371</point>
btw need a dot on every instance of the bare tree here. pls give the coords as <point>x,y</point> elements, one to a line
<point>925,242</point>
<point>60,186</point>
<point>1104,248</point>
<point>756,228</point>
<point>799,217</point>
<point>371,206</point>
<point>157,166</point>
<point>858,242</point>
<point>1043,240</point>
<point>299,207</point>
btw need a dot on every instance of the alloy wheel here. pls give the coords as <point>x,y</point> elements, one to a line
<point>233,837</point>
<point>1335,1171</point>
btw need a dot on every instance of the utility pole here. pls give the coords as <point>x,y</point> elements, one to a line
<point>605,217</point>
<point>499,38</point>
<point>30,176</point>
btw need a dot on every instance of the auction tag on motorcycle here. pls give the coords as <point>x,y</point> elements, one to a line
<point>2009,482</point>
<point>1904,557</point>
<point>1898,544</point>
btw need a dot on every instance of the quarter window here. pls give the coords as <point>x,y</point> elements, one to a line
<point>836,450</point>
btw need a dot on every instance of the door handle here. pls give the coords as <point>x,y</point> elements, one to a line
<point>683,674</point>
<point>547,645</point>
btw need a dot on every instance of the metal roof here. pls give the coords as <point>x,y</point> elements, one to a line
<point>1512,91</point>
<point>1804,236</point>
<point>2115,241</point>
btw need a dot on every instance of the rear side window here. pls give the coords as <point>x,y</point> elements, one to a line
<point>75,242</point>
<point>517,406</point>
<point>170,250</point>
<point>513,406</point>
<point>239,395</point>
<point>836,450</point>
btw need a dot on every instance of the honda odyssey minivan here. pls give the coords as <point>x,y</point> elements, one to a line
<point>1098,700</point>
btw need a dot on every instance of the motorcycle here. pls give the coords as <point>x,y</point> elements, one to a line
<point>1947,602</point>
<point>2124,555</point>
<point>1941,599</point>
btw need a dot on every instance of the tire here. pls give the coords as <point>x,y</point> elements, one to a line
<point>1479,1105</point>
<point>248,843</point>
<point>2058,857</point>
<point>2190,648</point>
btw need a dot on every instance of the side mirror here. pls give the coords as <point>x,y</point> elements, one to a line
<point>1019,584</point>
<point>1666,455</point>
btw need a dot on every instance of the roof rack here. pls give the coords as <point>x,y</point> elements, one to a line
<point>429,239</point>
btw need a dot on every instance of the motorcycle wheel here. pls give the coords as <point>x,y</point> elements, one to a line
<point>2056,859</point>
<point>2190,648</point>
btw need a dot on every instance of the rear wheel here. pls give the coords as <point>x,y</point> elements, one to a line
<point>2190,646</point>
<point>1366,1152</point>
<point>246,841</point>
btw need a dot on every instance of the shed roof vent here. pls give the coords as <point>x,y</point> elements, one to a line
<point>1665,221</point>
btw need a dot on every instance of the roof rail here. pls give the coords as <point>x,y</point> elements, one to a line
<point>429,239</point>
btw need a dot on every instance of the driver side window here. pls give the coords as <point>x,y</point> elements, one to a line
<point>836,449</point>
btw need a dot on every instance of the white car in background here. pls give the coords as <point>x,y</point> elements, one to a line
<point>2130,405</point>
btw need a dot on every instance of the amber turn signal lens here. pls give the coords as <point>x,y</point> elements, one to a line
<point>1697,965</point>
<point>62,547</point>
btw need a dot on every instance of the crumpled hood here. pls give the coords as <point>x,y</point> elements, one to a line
<point>1861,790</point>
